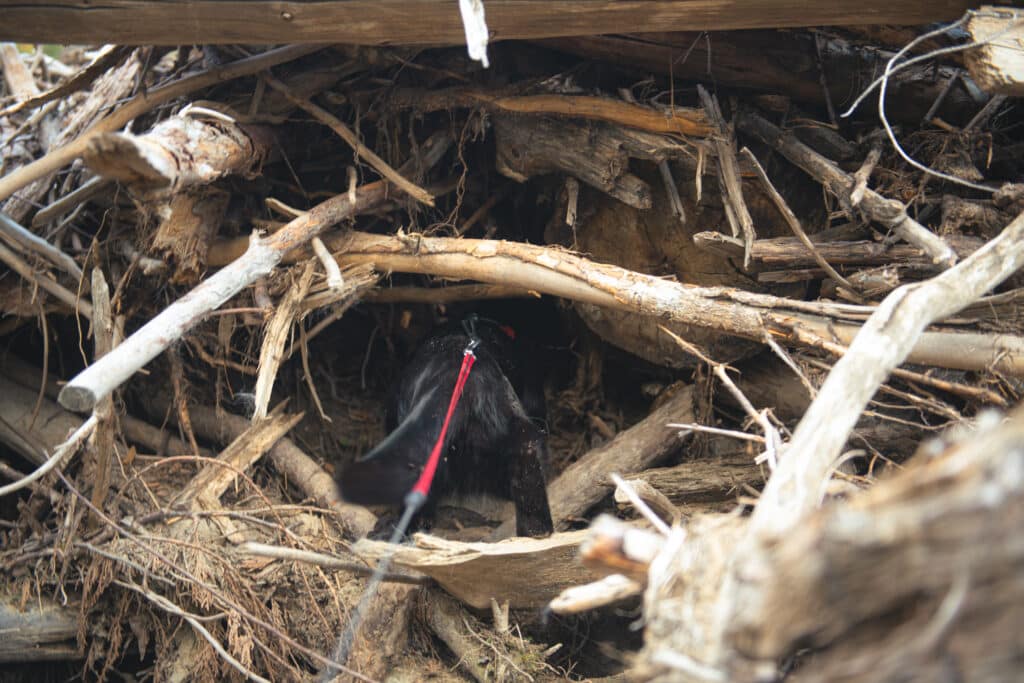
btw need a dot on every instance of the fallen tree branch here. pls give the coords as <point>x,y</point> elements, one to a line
<point>888,212</point>
<point>885,341</point>
<point>262,255</point>
<point>557,272</point>
<point>680,121</point>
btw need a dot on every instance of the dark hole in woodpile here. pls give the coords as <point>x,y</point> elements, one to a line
<point>793,346</point>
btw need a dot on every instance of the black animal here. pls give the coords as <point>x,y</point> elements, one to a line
<point>495,442</point>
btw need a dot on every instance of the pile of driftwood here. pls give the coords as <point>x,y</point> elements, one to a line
<point>774,272</point>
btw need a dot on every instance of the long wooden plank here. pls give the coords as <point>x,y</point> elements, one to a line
<point>437,22</point>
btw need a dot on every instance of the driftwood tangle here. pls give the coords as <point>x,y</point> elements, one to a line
<point>781,445</point>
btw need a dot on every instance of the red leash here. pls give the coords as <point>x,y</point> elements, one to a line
<point>415,499</point>
<point>419,492</point>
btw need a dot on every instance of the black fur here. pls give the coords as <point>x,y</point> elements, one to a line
<point>495,443</point>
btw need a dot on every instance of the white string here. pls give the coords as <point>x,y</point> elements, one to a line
<point>882,83</point>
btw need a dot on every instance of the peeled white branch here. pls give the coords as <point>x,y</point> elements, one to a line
<point>886,340</point>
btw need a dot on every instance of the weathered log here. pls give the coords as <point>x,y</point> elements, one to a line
<point>561,273</point>
<point>700,481</point>
<point>40,631</point>
<point>366,22</point>
<point>789,252</point>
<point>777,63</point>
<point>594,154</point>
<point>32,435</point>
<point>908,579</point>
<point>20,382</point>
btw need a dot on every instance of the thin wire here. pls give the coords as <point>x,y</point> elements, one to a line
<point>935,53</point>
<point>882,83</point>
<point>899,149</point>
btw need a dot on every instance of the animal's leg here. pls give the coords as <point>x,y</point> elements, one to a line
<point>528,487</point>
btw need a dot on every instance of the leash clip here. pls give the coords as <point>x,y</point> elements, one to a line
<point>469,327</point>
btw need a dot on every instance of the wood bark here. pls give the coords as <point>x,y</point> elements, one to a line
<point>997,66</point>
<point>596,154</point>
<point>39,631</point>
<point>180,152</point>
<point>941,534</point>
<point>564,274</point>
<point>778,63</point>
<point>705,480</point>
<point>189,222</point>
<point>387,22</point>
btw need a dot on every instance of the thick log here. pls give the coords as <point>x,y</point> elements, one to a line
<point>915,578</point>
<point>182,151</point>
<point>372,22</point>
<point>39,632</point>
<point>789,252</point>
<point>561,273</point>
<point>776,63</point>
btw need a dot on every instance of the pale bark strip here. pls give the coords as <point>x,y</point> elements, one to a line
<point>884,342</point>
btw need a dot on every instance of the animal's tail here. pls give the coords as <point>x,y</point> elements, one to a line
<point>386,474</point>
